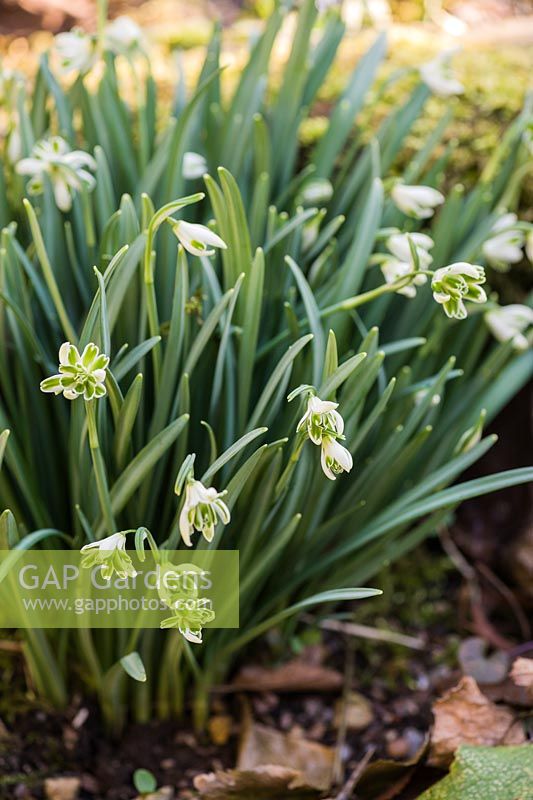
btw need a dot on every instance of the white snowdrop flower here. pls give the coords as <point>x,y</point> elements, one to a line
<point>65,168</point>
<point>111,554</point>
<point>457,283</point>
<point>393,270</point>
<point>197,239</point>
<point>439,77</point>
<point>416,201</point>
<point>335,458</point>
<point>124,37</point>
<point>398,244</point>
<point>79,375</point>
<point>511,323</point>
<point>194,166</point>
<point>316,192</point>
<point>201,511</point>
<point>504,245</point>
<point>76,51</point>
<point>320,419</point>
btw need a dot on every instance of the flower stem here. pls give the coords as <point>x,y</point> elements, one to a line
<point>99,467</point>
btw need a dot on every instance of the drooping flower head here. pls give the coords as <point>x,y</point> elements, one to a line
<point>76,51</point>
<point>457,283</point>
<point>419,202</point>
<point>111,554</point>
<point>196,239</point>
<point>124,37</point>
<point>65,168</point>
<point>511,323</point>
<point>401,262</point>
<point>79,375</point>
<point>203,506</point>
<point>202,509</point>
<point>324,426</point>
<point>505,243</point>
<point>178,588</point>
<point>334,458</point>
<point>439,77</point>
<point>194,166</point>
<point>320,419</point>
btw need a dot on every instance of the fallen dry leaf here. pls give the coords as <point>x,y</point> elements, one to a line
<point>263,746</point>
<point>465,716</point>
<point>294,676</point>
<point>269,782</point>
<point>62,788</point>
<point>522,674</point>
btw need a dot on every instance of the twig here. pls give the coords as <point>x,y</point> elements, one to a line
<point>509,596</point>
<point>376,634</point>
<point>347,790</point>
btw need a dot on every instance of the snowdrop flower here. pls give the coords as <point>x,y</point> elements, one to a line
<point>321,418</point>
<point>316,192</point>
<point>123,36</point>
<point>510,323</point>
<point>194,166</point>
<point>438,76</point>
<point>398,244</point>
<point>335,458</point>
<point>66,169</point>
<point>394,268</point>
<point>79,375</point>
<point>197,239</point>
<point>111,554</point>
<point>189,621</point>
<point>504,247</point>
<point>454,285</point>
<point>324,426</point>
<point>416,201</point>
<point>76,51</point>
<point>201,510</point>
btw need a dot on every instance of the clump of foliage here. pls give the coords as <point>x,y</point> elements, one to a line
<point>359,297</point>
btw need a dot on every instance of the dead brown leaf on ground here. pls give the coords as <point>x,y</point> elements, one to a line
<point>269,782</point>
<point>465,716</point>
<point>298,675</point>
<point>263,746</point>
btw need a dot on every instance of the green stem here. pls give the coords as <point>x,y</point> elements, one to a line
<point>101,21</point>
<point>99,467</point>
